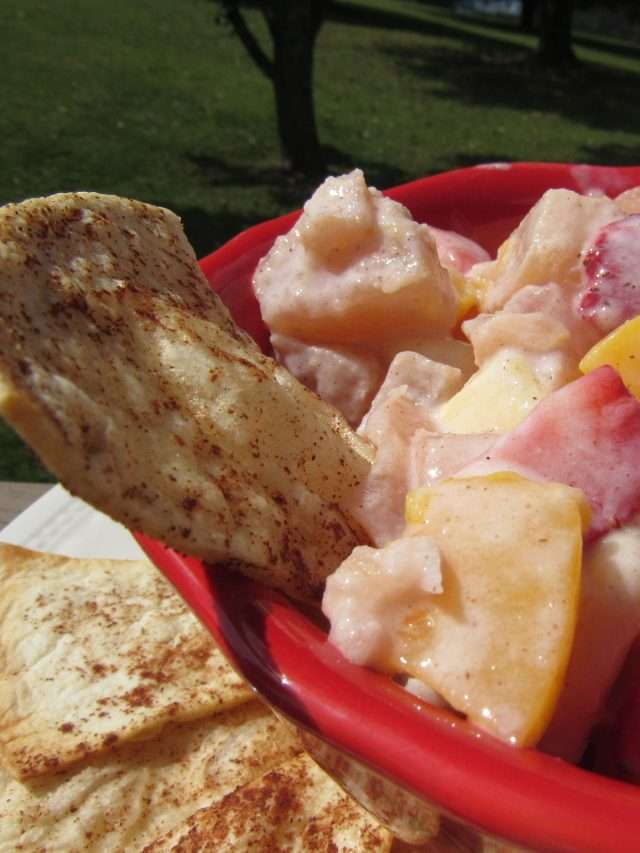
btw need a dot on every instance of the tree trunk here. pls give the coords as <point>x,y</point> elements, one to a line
<point>555,48</point>
<point>528,15</point>
<point>294,27</point>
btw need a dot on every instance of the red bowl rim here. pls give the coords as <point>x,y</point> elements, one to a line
<point>521,795</point>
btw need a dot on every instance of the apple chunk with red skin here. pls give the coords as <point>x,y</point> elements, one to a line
<point>587,435</point>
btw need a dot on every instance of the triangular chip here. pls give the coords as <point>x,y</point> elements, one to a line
<point>126,374</point>
<point>128,798</point>
<point>294,807</point>
<point>94,653</point>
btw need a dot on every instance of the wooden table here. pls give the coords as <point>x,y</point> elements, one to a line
<point>16,497</point>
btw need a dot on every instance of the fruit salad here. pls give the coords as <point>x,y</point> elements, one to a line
<point>502,575</point>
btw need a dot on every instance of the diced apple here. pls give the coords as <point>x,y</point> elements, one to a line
<point>546,247</point>
<point>421,383</point>
<point>346,378</point>
<point>414,385</point>
<point>620,349</point>
<point>496,643</point>
<point>437,456</point>
<point>551,300</point>
<point>456,251</point>
<point>338,219</point>
<point>370,593</point>
<point>458,254</point>
<point>532,331</point>
<point>496,398</point>
<point>608,623</point>
<point>355,269</point>
<point>586,434</point>
<point>445,350</point>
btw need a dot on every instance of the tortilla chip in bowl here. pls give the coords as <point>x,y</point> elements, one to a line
<point>358,720</point>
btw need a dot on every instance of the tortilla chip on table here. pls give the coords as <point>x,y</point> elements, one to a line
<point>95,653</point>
<point>125,799</point>
<point>294,807</point>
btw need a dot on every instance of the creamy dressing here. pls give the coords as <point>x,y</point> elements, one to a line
<point>373,590</point>
<point>363,305</point>
<point>547,246</point>
<point>359,271</point>
<point>346,377</point>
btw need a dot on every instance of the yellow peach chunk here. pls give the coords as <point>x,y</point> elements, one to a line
<point>467,291</point>
<point>496,642</point>
<point>621,349</point>
<point>496,398</point>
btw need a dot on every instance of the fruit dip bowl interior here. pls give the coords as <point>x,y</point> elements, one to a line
<point>521,795</point>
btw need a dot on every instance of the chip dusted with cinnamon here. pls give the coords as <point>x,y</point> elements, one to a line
<point>127,375</point>
<point>126,799</point>
<point>94,653</point>
<point>294,807</point>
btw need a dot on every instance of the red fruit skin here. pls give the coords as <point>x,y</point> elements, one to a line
<point>586,434</point>
<point>612,267</point>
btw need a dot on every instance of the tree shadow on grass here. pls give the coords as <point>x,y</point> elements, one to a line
<point>207,231</point>
<point>613,155</point>
<point>286,191</point>
<point>463,160</point>
<point>488,68</point>
<point>605,43</point>
<point>589,93</point>
<point>449,24</point>
<point>492,68</point>
<point>287,185</point>
<point>446,25</point>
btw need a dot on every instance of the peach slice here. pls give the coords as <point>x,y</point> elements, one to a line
<point>620,349</point>
<point>496,642</point>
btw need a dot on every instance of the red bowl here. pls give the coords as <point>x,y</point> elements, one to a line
<point>519,795</point>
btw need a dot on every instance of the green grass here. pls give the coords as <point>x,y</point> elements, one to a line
<point>157,101</point>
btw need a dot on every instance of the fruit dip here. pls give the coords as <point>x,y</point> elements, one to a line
<point>502,576</point>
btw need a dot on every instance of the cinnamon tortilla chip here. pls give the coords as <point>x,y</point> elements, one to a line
<point>94,653</point>
<point>124,800</point>
<point>128,377</point>
<point>294,807</point>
